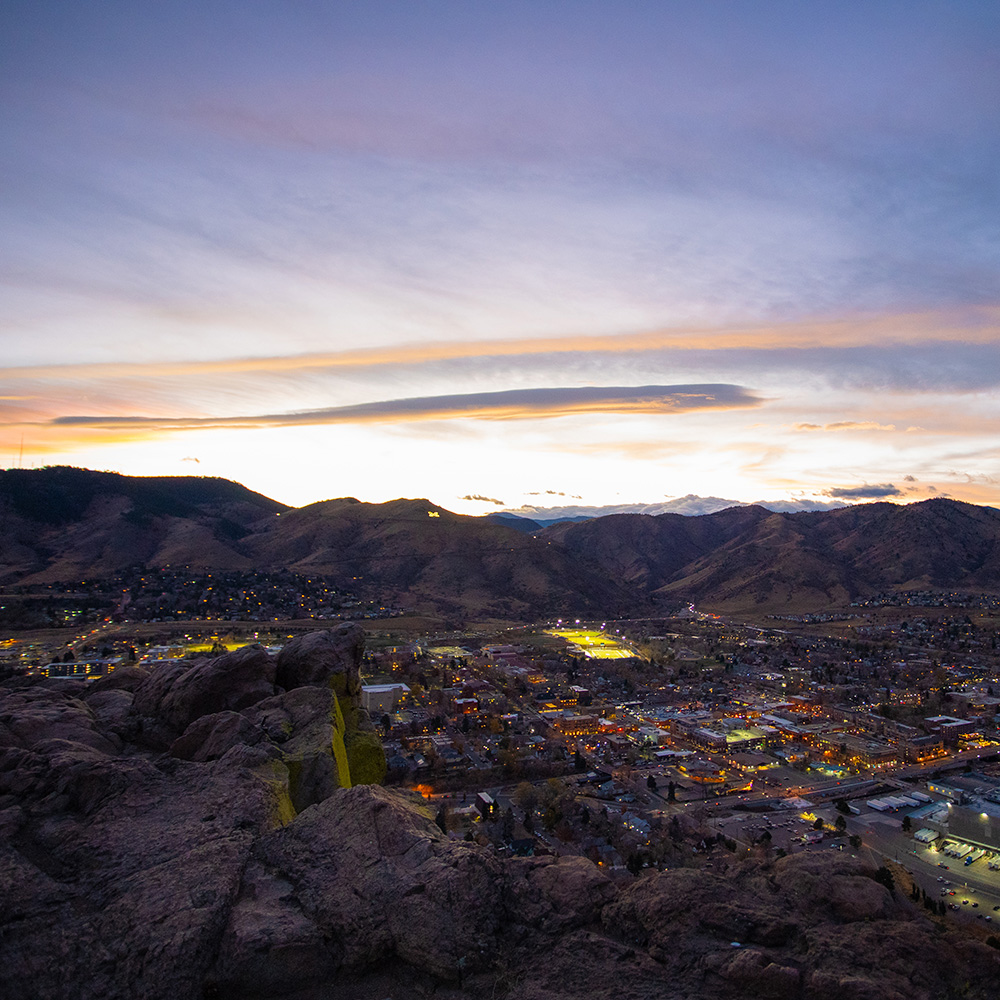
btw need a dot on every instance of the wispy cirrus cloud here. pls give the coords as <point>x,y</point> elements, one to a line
<point>979,325</point>
<point>512,404</point>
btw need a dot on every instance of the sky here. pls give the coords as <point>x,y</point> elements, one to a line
<point>505,255</point>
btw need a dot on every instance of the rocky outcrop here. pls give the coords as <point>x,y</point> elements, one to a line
<point>309,729</point>
<point>332,658</point>
<point>213,736</point>
<point>179,693</point>
<point>430,901</point>
<point>47,712</point>
<point>549,894</point>
<point>238,857</point>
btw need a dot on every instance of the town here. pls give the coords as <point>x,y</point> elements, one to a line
<point>683,740</point>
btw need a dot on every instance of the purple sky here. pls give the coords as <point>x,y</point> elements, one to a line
<point>224,222</point>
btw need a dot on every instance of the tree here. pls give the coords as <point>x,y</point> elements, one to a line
<point>855,841</point>
<point>840,824</point>
<point>526,796</point>
<point>651,783</point>
<point>550,817</point>
<point>507,824</point>
<point>671,792</point>
<point>675,829</point>
<point>907,824</point>
<point>818,825</point>
<point>884,877</point>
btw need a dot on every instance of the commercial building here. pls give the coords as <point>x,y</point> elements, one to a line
<point>378,699</point>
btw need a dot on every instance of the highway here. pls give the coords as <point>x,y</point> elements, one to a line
<point>975,883</point>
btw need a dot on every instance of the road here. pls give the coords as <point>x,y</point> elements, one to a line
<point>976,883</point>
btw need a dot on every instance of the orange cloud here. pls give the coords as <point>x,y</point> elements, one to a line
<point>847,425</point>
<point>974,325</point>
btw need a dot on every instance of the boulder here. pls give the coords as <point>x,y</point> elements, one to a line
<point>755,975</point>
<point>270,945</point>
<point>557,893</point>
<point>331,657</point>
<point>843,884</point>
<point>178,693</point>
<point>112,708</point>
<point>158,680</point>
<point>44,712</point>
<point>127,678</point>
<point>212,736</point>
<point>306,726</point>
<point>390,884</point>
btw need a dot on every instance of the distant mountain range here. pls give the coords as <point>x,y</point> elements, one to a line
<point>63,524</point>
<point>690,505</point>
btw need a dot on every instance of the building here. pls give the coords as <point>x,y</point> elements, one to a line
<point>703,772</point>
<point>379,699</point>
<point>948,728</point>
<point>977,823</point>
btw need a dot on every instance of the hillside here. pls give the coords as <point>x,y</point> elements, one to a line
<point>751,558</point>
<point>645,550</point>
<point>71,524</point>
<point>435,558</point>
<point>64,523</point>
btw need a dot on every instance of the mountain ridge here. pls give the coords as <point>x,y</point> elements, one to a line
<point>65,524</point>
<point>690,505</point>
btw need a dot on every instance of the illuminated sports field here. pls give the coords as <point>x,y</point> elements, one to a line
<point>207,647</point>
<point>593,643</point>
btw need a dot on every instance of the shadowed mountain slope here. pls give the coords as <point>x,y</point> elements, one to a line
<point>749,557</point>
<point>63,523</point>
<point>646,550</point>
<point>417,549</point>
<point>71,524</point>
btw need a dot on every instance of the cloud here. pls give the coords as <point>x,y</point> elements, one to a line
<point>191,459</point>
<point>937,328</point>
<point>847,425</point>
<point>865,492</point>
<point>859,425</point>
<point>477,496</point>
<point>512,404</point>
